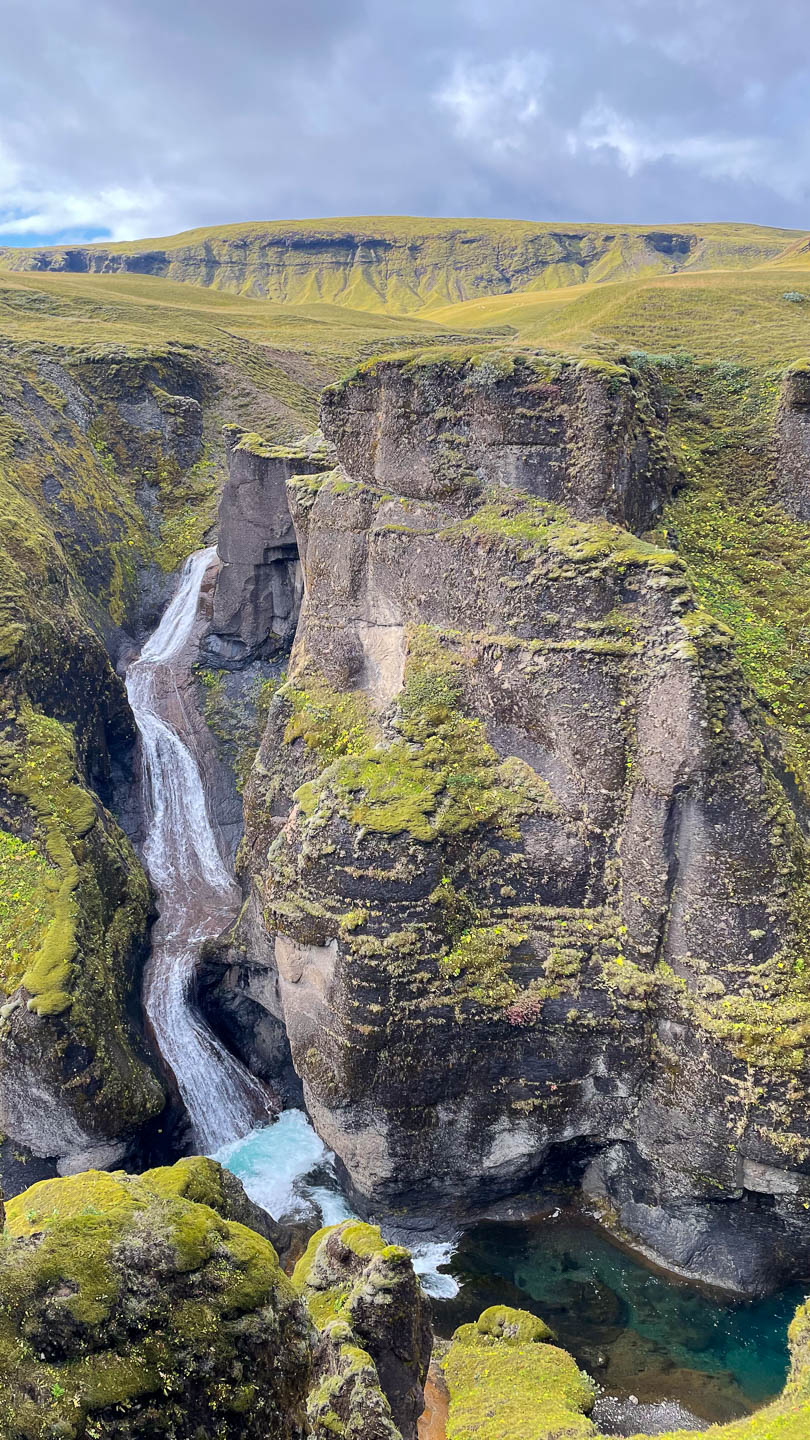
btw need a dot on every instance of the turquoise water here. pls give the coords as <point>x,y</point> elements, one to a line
<point>632,1330</point>
<point>288,1170</point>
<point>635,1332</point>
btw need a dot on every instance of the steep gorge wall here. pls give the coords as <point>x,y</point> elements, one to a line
<point>525,889</point>
<point>110,468</point>
<point>402,265</point>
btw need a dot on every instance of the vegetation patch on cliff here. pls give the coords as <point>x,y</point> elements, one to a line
<point>438,775</point>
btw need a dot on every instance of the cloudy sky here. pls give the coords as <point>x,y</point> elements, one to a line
<point>131,118</point>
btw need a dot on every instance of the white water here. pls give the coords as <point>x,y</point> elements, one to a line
<point>284,1167</point>
<point>197,897</point>
<point>287,1169</point>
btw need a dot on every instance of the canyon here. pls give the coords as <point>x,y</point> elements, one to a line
<point>484,674</point>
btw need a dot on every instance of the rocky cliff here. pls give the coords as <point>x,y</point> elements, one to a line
<point>793,441</point>
<point>110,470</point>
<point>403,264</point>
<point>527,888</point>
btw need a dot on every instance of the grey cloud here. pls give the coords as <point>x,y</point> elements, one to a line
<point>149,117</point>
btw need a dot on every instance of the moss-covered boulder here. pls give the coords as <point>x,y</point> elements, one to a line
<point>137,1306</point>
<point>507,1382</point>
<point>375,1334</point>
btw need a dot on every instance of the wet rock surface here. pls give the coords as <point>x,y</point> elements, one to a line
<point>626,1417</point>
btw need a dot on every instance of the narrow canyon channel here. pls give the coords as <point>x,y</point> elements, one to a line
<point>639,1334</point>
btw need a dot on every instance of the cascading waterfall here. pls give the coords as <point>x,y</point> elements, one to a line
<point>197,896</point>
<point>285,1167</point>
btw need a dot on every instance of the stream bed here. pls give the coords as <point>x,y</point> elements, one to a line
<point>634,1330</point>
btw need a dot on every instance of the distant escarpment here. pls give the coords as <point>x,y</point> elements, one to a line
<point>403,264</point>
<point>526,886</point>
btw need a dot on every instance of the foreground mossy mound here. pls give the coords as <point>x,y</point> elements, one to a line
<point>375,1335</point>
<point>137,1306</point>
<point>508,1382</point>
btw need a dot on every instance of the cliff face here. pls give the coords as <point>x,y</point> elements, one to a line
<point>404,264</point>
<point>258,593</point>
<point>583,434</point>
<point>526,889</point>
<point>110,468</point>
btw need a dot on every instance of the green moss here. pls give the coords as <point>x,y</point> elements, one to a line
<point>44,774</point>
<point>438,776</point>
<point>747,559</point>
<point>26,906</point>
<point>116,1290</point>
<point>478,960</point>
<point>331,724</point>
<point>533,528</point>
<point>363,1240</point>
<point>504,1385</point>
<point>516,1327</point>
<point>325,1284</point>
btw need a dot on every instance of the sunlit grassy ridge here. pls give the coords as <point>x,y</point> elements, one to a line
<point>141,312</point>
<point>715,315</point>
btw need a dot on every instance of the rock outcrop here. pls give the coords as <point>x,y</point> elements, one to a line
<point>138,1306</point>
<point>509,1381</point>
<point>583,434</point>
<point>376,1339</point>
<point>526,888</point>
<point>258,594</point>
<point>793,441</point>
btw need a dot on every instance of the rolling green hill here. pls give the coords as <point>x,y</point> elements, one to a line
<point>403,264</point>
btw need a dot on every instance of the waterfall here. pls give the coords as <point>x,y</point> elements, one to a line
<point>197,896</point>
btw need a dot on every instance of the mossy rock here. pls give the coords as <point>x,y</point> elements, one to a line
<point>130,1307</point>
<point>373,1317</point>
<point>516,1327</point>
<point>505,1383</point>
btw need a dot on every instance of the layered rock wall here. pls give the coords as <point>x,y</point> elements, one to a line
<point>532,897</point>
<point>793,442</point>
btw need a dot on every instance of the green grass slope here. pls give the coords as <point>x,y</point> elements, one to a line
<point>403,264</point>
<point>743,316</point>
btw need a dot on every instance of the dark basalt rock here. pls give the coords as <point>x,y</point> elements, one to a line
<point>258,594</point>
<point>523,878</point>
<point>582,434</point>
<point>793,442</point>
